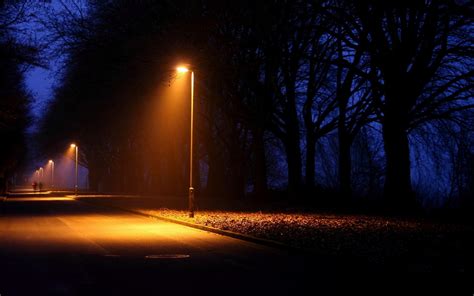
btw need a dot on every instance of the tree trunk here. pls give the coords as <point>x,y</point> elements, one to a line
<point>310,136</point>
<point>293,156</point>
<point>237,178</point>
<point>398,190</point>
<point>345,165</point>
<point>343,94</point>
<point>196,174</point>
<point>215,178</point>
<point>292,143</point>
<point>260,166</point>
<point>310,159</point>
<point>94,174</point>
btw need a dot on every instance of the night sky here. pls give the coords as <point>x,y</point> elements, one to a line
<point>40,81</point>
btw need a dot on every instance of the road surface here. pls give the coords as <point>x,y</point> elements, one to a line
<point>60,246</point>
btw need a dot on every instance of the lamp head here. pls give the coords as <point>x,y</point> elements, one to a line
<point>182,69</point>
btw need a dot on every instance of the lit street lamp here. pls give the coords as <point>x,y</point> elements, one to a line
<point>182,69</point>
<point>51,162</point>
<point>35,180</point>
<point>76,148</point>
<point>41,174</point>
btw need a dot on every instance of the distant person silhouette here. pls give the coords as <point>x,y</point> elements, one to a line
<point>34,184</point>
<point>40,186</point>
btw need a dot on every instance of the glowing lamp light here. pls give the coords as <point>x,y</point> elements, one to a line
<point>182,69</point>
<point>73,145</point>
<point>50,161</point>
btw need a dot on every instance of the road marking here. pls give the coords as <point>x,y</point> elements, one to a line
<point>168,256</point>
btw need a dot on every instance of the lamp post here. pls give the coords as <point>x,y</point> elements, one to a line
<point>41,174</point>
<point>76,148</point>
<point>35,180</point>
<point>41,178</point>
<point>182,69</point>
<point>51,163</point>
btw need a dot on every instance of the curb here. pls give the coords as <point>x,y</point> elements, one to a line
<point>244,237</point>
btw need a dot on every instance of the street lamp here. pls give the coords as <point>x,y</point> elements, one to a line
<point>36,180</point>
<point>182,69</point>
<point>51,163</point>
<point>76,148</point>
<point>41,178</point>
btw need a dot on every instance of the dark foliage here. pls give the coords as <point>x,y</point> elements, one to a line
<point>321,83</point>
<point>15,55</point>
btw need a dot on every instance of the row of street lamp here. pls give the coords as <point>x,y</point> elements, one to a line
<point>191,203</point>
<point>40,172</point>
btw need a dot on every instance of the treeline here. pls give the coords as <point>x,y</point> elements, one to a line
<point>346,96</point>
<point>17,52</point>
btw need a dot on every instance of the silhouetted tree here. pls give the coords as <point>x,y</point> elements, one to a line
<point>309,77</point>
<point>16,54</point>
<point>419,53</point>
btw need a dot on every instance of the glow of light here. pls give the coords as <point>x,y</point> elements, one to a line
<point>73,145</point>
<point>182,69</point>
<point>50,161</point>
<point>25,199</point>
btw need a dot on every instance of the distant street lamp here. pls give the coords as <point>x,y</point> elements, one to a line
<point>76,148</point>
<point>41,174</point>
<point>51,163</point>
<point>183,69</point>
<point>35,180</point>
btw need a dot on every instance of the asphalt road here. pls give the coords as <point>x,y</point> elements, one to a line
<point>59,246</point>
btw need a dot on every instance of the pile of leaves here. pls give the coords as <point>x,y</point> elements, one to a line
<point>378,239</point>
<point>414,243</point>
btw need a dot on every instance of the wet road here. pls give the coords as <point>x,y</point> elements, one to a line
<point>59,246</point>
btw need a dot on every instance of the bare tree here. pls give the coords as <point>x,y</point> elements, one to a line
<point>418,52</point>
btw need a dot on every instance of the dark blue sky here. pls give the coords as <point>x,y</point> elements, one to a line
<point>40,81</point>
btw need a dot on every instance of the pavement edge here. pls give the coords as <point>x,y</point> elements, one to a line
<point>244,237</point>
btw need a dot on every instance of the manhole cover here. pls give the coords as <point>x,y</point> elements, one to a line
<point>167,256</point>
